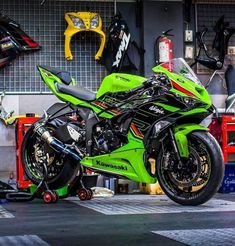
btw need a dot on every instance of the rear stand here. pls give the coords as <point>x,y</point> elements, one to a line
<point>76,187</point>
<point>5,189</point>
<point>42,190</point>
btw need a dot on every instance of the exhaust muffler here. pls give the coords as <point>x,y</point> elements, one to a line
<point>54,143</point>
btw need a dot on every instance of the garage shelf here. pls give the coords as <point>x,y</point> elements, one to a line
<point>228,137</point>
<point>22,126</point>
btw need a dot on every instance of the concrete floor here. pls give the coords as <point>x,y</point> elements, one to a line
<point>148,220</point>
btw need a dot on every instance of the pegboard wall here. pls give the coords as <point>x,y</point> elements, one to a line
<point>46,25</point>
<point>207,15</point>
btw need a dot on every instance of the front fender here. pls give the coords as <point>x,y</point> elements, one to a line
<point>180,134</point>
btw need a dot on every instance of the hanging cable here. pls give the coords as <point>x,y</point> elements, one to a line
<point>115,7</point>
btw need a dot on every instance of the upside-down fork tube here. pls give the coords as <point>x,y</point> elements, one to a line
<point>54,143</point>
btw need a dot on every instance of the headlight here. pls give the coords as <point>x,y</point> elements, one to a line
<point>189,101</point>
<point>94,22</point>
<point>77,22</point>
<point>160,125</point>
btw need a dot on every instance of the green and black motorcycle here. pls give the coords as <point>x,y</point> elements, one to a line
<point>145,130</point>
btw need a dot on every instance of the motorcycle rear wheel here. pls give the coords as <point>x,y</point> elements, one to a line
<point>201,175</point>
<point>61,169</point>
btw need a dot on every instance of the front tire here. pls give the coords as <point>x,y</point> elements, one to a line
<point>201,175</point>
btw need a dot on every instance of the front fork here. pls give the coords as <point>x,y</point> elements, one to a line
<point>175,148</point>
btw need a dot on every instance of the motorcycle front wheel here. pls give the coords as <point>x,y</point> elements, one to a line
<point>199,176</point>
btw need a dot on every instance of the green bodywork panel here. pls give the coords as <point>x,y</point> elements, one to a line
<point>111,83</point>
<point>195,111</point>
<point>175,109</point>
<point>167,107</point>
<point>50,80</point>
<point>198,91</point>
<point>181,132</point>
<point>118,82</point>
<point>127,161</point>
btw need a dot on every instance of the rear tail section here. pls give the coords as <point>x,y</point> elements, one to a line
<point>13,29</point>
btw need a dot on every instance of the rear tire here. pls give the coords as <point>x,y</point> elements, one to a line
<point>66,169</point>
<point>207,166</point>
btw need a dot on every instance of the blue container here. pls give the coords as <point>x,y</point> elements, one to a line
<point>228,184</point>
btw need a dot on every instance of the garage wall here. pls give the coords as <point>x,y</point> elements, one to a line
<point>128,11</point>
<point>158,17</point>
<point>207,16</point>
<point>46,25</point>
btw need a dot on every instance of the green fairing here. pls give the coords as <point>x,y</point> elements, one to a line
<point>127,161</point>
<point>194,111</point>
<point>117,82</point>
<point>50,80</point>
<point>181,132</point>
<point>181,135</point>
<point>168,107</point>
<point>199,92</point>
<point>124,156</point>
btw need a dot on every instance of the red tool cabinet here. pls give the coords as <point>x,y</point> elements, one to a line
<point>228,138</point>
<point>22,126</point>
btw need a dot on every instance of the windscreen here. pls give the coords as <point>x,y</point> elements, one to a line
<point>180,66</point>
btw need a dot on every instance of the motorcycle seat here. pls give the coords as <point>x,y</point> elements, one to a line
<point>64,76</point>
<point>77,92</point>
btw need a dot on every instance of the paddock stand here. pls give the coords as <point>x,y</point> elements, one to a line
<point>77,188</point>
<point>5,189</point>
<point>42,190</point>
